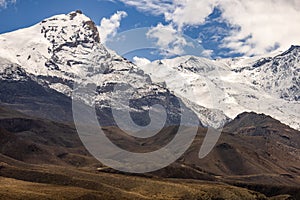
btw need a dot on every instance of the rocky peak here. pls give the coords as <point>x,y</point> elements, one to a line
<point>292,50</point>
<point>71,30</point>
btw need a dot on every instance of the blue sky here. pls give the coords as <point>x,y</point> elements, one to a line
<point>25,13</point>
<point>213,28</point>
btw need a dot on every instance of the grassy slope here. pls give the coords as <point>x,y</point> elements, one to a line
<point>73,174</point>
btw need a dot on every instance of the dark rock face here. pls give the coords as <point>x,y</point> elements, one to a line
<point>39,100</point>
<point>293,49</point>
<point>13,72</point>
<point>92,26</point>
<point>34,99</point>
<point>140,115</point>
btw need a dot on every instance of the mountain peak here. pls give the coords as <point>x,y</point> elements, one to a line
<point>293,48</point>
<point>71,27</point>
<point>251,123</point>
<point>54,45</point>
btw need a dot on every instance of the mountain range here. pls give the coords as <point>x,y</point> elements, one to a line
<point>65,49</point>
<point>255,101</point>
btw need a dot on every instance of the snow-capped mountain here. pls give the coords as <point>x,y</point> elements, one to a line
<point>278,75</point>
<point>266,84</point>
<point>65,49</point>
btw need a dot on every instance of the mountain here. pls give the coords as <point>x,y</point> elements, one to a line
<point>19,91</point>
<point>265,84</point>
<point>63,51</point>
<point>41,151</point>
<point>40,66</point>
<point>278,75</point>
<point>40,141</point>
<point>66,49</point>
<point>255,144</point>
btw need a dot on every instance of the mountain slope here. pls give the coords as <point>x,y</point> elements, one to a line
<point>39,66</point>
<point>65,50</point>
<point>19,91</point>
<point>41,151</point>
<point>40,141</point>
<point>278,75</point>
<point>254,148</point>
<point>268,85</point>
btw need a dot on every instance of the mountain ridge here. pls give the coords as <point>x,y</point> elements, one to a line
<point>42,156</point>
<point>268,84</point>
<point>51,150</point>
<point>64,49</point>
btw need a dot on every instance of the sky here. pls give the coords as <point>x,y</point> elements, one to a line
<point>158,29</point>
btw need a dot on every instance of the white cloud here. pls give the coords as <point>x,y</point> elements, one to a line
<point>168,39</point>
<point>260,25</point>
<point>108,27</point>
<point>180,12</point>
<point>190,12</point>
<point>4,3</point>
<point>155,7</point>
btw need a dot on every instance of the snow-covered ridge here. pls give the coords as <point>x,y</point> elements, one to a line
<point>48,48</point>
<point>277,73</point>
<point>67,48</point>
<point>267,84</point>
